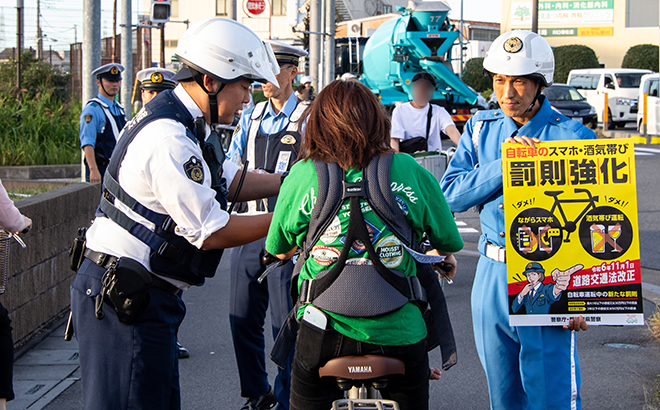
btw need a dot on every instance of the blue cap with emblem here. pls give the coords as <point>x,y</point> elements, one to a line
<point>110,72</point>
<point>156,79</point>
<point>285,53</point>
<point>533,267</point>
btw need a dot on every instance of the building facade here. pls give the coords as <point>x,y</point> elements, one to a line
<point>609,27</point>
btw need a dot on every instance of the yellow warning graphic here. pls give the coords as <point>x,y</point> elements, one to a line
<point>570,211</point>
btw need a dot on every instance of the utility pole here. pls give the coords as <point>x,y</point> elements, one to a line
<point>40,39</point>
<point>19,44</point>
<point>127,56</point>
<point>315,43</point>
<point>114,32</point>
<point>329,41</point>
<point>91,47</point>
<point>75,33</point>
<point>460,43</point>
<point>231,9</point>
<point>535,16</point>
<point>162,45</point>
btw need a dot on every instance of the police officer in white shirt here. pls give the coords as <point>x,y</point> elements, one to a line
<point>412,119</point>
<point>162,223</point>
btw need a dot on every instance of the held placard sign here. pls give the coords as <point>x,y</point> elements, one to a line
<point>570,210</point>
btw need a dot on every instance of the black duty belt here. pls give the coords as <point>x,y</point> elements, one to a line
<point>105,261</point>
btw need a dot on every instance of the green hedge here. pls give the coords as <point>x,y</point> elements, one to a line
<point>644,56</point>
<point>474,75</point>
<point>40,128</point>
<point>571,57</point>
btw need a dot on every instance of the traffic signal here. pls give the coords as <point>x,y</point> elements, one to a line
<point>160,11</point>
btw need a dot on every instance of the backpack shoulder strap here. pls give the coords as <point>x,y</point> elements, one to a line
<point>378,186</point>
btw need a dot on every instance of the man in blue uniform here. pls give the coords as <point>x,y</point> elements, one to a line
<point>267,139</point>
<point>101,120</point>
<point>528,367</point>
<point>163,223</point>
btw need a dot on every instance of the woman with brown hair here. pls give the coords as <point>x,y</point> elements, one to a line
<point>347,126</point>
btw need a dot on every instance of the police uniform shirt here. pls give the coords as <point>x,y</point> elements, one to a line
<point>156,171</point>
<point>271,123</point>
<point>93,120</point>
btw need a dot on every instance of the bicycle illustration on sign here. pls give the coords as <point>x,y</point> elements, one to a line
<point>604,232</point>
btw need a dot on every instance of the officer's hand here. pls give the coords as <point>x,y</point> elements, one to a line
<point>434,373</point>
<point>528,288</point>
<point>94,176</point>
<point>577,323</point>
<point>524,140</point>
<point>563,278</point>
<point>449,260</point>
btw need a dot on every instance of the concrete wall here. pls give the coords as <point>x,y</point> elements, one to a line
<point>39,276</point>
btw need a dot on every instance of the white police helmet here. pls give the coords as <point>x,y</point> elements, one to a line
<point>227,51</point>
<point>521,53</point>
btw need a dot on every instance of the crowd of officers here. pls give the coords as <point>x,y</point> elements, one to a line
<point>173,200</point>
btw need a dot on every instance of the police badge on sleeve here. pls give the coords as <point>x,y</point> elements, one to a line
<point>194,170</point>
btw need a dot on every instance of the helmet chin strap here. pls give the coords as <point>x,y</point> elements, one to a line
<point>213,95</point>
<point>103,88</point>
<point>536,97</point>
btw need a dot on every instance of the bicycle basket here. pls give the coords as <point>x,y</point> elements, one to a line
<point>4,260</point>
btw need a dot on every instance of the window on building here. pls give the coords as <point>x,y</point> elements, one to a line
<point>171,43</point>
<point>387,8</point>
<point>174,8</point>
<point>642,13</point>
<point>483,34</point>
<point>220,7</point>
<point>279,7</point>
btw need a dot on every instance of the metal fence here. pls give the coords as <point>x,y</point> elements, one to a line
<point>107,45</point>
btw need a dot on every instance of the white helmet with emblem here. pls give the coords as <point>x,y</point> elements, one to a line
<point>521,53</point>
<point>227,51</point>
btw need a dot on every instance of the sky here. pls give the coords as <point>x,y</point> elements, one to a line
<point>61,19</point>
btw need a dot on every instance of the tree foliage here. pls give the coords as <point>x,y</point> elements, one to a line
<point>570,57</point>
<point>474,75</point>
<point>644,56</point>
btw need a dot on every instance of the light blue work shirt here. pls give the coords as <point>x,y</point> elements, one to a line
<point>96,125</point>
<point>271,123</point>
<point>467,184</point>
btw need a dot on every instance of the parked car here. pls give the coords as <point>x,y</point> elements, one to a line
<point>568,101</point>
<point>620,84</point>
<point>649,84</point>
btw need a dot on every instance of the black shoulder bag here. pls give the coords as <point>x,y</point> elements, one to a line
<point>418,143</point>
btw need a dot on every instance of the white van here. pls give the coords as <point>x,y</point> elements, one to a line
<point>621,85</point>
<point>650,84</point>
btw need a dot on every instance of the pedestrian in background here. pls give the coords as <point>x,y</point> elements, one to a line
<point>417,125</point>
<point>12,221</point>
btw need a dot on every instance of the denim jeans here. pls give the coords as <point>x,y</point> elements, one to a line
<point>314,347</point>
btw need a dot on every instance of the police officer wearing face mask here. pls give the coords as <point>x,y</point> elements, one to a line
<point>101,120</point>
<point>527,367</point>
<point>163,221</point>
<point>267,137</point>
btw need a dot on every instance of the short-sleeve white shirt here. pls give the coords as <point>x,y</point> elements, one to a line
<point>410,122</point>
<point>154,174</point>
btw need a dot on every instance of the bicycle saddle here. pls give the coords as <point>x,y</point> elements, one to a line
<point>553,193</point>
<point>362,367</point>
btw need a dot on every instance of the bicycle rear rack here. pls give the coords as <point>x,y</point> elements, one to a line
<point>364,404</point>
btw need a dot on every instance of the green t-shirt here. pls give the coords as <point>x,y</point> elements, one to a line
<point>419,196</point>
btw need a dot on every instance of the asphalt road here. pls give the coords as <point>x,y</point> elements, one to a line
<point>622,377</point>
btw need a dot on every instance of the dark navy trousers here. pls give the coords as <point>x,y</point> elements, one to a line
<point>247,313</point>
<point>126,367</point>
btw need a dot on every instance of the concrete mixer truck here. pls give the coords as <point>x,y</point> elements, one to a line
<point>420,38</point>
